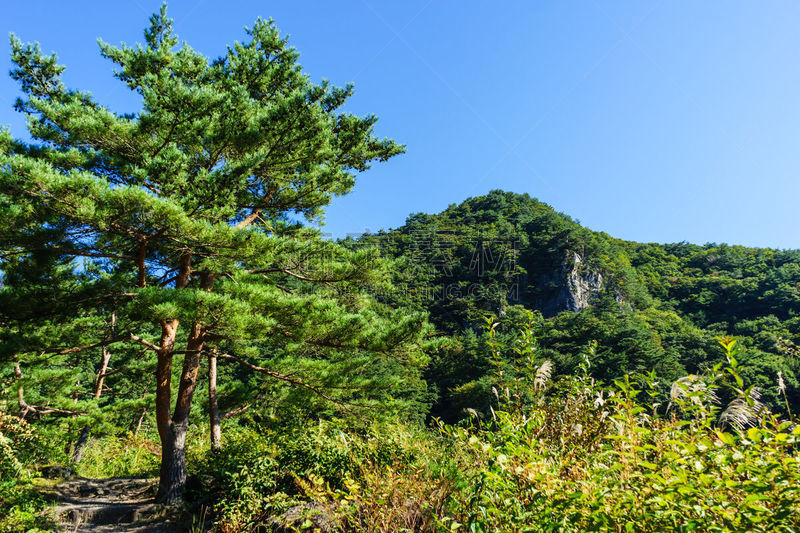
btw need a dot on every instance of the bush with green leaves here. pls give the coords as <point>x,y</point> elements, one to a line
<point>260,473</point>
<point>239,481</point>
<point>128,455</point>
<point>21,505</point>
<point>572,454</point>
<point>588,457</point>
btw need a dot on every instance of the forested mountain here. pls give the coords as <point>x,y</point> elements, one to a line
<point>649,306</point>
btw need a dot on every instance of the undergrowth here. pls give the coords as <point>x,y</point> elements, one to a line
<point>130,455</point>
<point>700,454</point>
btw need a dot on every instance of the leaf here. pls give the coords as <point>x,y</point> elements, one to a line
<point>727,438</point>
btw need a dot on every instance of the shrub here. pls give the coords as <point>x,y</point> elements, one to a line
<point>635,470</point>
<point>574,455</point>
<point>21,505</point>
<point>131,455</point>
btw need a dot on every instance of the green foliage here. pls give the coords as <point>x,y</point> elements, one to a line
<point>650,306</point>
<point>259,474</point>
<point>127,456</point>
<point>595,458</point>
<point>567,455</point>
<point>16,438</point>
<point>597,399</point>
<point>21,506</point>
<point>241,479</point>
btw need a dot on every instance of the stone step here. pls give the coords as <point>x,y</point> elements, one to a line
<point>100,513</point>
<point>109,505</point>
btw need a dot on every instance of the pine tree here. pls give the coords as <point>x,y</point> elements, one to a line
<point>184,219</point>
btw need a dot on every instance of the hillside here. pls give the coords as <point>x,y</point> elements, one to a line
<point>650,306</point>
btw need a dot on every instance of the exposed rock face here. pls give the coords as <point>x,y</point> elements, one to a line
<point>568,288</point>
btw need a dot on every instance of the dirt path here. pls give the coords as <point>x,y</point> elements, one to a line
<point>109,505</point>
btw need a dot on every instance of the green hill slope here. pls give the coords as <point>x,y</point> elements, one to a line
<point>650,306</point>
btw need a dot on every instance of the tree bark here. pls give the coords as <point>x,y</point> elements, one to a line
<point>80,445</point>
<point>20,392</point>
<point>173,442</point>
<point>141,256</point>
<point>166,492</point>
<point>213,407</point>
<point>172,430</point>
<point>101,373</point>
<point>172,479</point>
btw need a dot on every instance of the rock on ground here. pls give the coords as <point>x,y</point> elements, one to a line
<point>109,505</point>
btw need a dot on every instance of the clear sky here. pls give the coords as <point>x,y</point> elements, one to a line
<point>652,121</point>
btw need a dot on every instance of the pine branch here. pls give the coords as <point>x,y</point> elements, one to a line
<point>76,349</point>
<point>249,219</point>
<point>235,412</point>
<point>281,377</point>
<point>143,342</point>
<point>301,277</point>
<point>68,252</point>
<point>25,408</point>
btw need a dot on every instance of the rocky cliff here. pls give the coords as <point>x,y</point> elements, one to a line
<point>571,287</point>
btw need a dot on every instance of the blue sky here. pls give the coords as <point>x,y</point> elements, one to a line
<point>652,121</point>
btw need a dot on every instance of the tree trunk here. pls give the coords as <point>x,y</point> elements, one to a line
<point>80,445</point>
<point>173,440</point>
<point>169,328</point>
<point>141,256</point>
<point>23,410</point>
<point>101,373</point>
<point>213,408</point>
<point>172,479</point>
<point>172,430</point>
<point>172,482</point>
